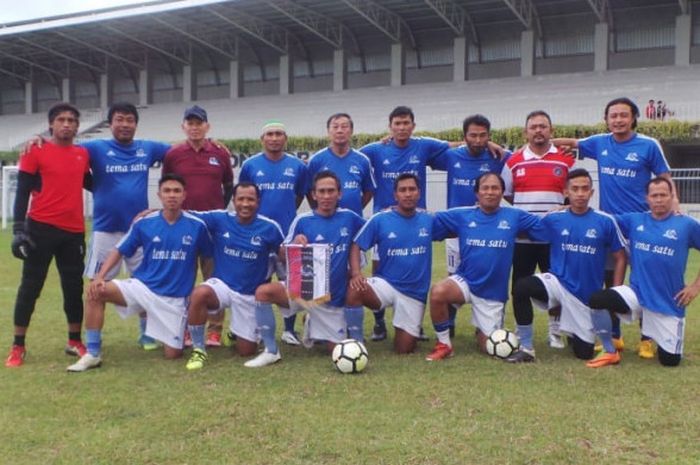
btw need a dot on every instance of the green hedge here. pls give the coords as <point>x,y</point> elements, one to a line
<point>667,132</point>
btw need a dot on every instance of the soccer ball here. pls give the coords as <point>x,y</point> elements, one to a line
<point>350,356</point>
<point>502,343</point>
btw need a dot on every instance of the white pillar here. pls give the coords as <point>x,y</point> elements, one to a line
<point>235,79</point>
<point>105,90</point>
<point>286,75</point>
<point>145,88</point>
<point>601,46</point>
<point>67,90</point>
<point>398,65</point>
<point>189,84</point>
<point>29,97</point>
<point>684,30</point>
<point>461,59</point>
<point>340,70</point>
<point>527,53</point>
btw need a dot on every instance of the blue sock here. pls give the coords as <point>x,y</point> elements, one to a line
<point>142,325</point>
<point>355,320</point>
<point>265,318</point>
<point>93,340</point>
<point>197,335</point>
<point>525,335</point>
<point>602,326</point>
<point>289,322</point>
<point>379,317</point>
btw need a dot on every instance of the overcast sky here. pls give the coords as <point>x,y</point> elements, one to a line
<point>31,9</point>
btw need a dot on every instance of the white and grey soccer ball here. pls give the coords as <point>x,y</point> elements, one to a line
<point>502,343</point>
<point>350,356</point>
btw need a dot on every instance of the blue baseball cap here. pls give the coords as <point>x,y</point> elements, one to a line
<point>196,112</point>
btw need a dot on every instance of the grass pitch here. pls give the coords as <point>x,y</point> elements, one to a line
<point>141,409</point>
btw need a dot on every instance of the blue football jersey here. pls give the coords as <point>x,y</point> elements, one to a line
<point>658,256</point>
<point>170,252</point>
<point>624,169</point>
<point>486,244</point>
<point>579,245</point>
<point>280,182</point>
<point>337,230</point>
<point>389,161</point>
<point>354,171</point>
<point>120,180</point>
<point>241,251</point>
<point>405,249</point>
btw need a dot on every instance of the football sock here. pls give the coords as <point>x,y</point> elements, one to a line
<point>452,310</point>
<point>197,335</point>
<point>616,331</point>
<point>442,331</point>
<point>93,338</point>
<point>554,325</point>
<point>525,335</point>
<point>265,318</point>
<point>289,322</point>
<point>19,340</point>
<point>379,317</point>
<point>354,318</point>
<point>74,336</point>
<point>142,324</point>
<point>602,326</point>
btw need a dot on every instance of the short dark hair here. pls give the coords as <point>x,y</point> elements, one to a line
<point>122,107</point>
<point>406,175</point>
<point>579,173</point>
<point>477,120</point>
<point>171,177</point>
<point>660,180</point>
<point>59,108</point>
<point>323,175</point>
<point>625,101</point>
<point>478,181</point>
<point>245,184</point>
<point>335,116</point>
<point>402,110</point>
<point>532,114</point>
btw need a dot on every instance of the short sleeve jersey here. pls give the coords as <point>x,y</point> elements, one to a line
<point>205,172</point>
<point>624,169</point>
<point>354,171</point>
<point>241,251</point>
<point>170,252</point>
<point>578,249</point>
<point>337,230</point>
<point>120,180</point>
<point>463,169</point>
<point>405,249</point>
<point>658,257</point>
<point>389,161</point>
<point>486,244</point>
<point>280,182</point>
<point>59,202</point>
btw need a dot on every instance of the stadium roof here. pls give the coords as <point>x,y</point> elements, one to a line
<point>172,33</point>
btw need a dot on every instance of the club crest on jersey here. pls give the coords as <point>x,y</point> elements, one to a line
<point>472,224</point>
<point>259,173</point>
<point>392,235</point>
<point>565,232</point>
<point>558,172</point>
<point>354,170</point>
<point>156,239</point>
<point>423,232</point>
<point>632,156</point>
<point>213,161</point>
<point>640,228</point>
<point>520,172</point>
<point>671,234</point>
<point>255,240</point>
<point>591,233</point>
<point>187,239</point>
<point>413,160</point>
<point>344,232</point>
<point>140,153</point>
<point>503,225</point>
<point>289,172</point>
<point>484,168</point>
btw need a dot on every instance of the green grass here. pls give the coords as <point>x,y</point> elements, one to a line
<point>141,409</point>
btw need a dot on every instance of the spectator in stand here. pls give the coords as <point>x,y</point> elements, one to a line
<point>650,110</point>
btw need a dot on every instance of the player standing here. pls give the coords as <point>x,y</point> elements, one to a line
<point>535,178</point>
<point>206,168</point>
<point>659,243</point>
<point>580,239</point>
<point>53,175</point>
<point>283,181</point>
<point>403,239</point>
<point>243,242</point>
<point>326,224</point>
<point>486,234</point>
<point>171,241</point>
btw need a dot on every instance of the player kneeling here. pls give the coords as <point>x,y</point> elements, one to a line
<point>171,240</point>
<point>327,227</point>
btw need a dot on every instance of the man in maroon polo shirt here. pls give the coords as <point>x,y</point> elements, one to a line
<point>207,171</point>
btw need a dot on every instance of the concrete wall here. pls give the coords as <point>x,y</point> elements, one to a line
<point>642,58</point>
<point>564,64</point>
<point>494,69</point>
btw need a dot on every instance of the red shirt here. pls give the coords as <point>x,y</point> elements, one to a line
<point>60,200</point>
<point>205,172</point>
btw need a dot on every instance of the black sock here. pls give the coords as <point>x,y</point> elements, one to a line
<point>19,340</point>
<point>74,336</point>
